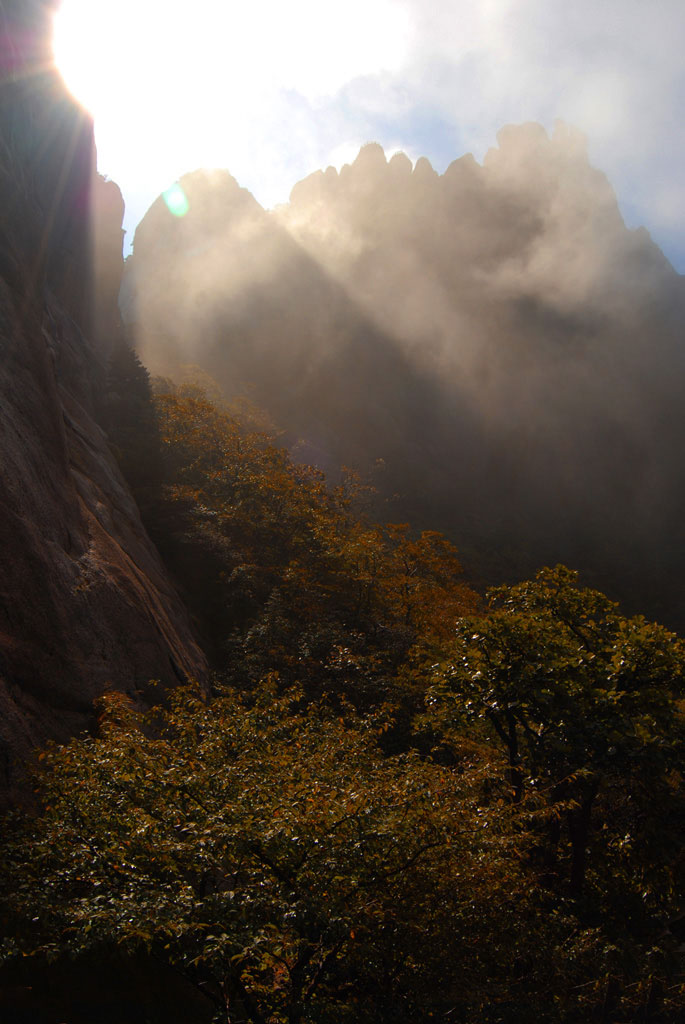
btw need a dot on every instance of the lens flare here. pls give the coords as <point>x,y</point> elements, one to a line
<point>176,200</point>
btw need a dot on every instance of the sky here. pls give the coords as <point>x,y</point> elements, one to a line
<point>274,91</point>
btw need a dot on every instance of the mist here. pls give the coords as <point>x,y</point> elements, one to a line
<point>274,93</point>
<point>495,335</point>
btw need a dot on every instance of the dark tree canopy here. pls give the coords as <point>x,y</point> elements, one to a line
<point>404,806</point>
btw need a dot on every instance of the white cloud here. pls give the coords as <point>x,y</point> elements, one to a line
<point>270,89</point>
<point>613,68</point>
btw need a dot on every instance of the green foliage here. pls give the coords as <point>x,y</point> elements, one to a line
<point>582,686</point>
<point>586,706</point>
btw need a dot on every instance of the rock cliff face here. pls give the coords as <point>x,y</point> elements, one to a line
<point>226,287</point>
<point>495,334</point>
<point>85,604</point>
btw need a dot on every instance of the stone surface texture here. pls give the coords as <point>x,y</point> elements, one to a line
<point>85,602</point>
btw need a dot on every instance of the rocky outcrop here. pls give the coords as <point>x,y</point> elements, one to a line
<point>85,603</point>
<point>226,287</point>
<point>495,334</point>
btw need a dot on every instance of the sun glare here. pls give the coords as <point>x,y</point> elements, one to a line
<point>177,85</point>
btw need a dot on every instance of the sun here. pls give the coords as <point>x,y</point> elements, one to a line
<point>87,44</point>
<point>173,85</point>
<point>304,45</point>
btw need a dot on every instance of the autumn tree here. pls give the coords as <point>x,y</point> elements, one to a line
<point>277,860</point>
<point>283,570</point>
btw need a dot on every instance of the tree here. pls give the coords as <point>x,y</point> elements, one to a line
<point>587,707</point>
<point>285,572</point>
<point>277,860</point>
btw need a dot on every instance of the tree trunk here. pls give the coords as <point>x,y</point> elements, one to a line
<point>515,773</point>
<point>656,991</point>
<point>611,996</point>
<point>579,829</point>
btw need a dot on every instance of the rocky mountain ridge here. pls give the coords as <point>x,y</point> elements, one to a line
<point>496,335</point>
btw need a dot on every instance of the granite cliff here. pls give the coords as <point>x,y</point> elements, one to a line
<point>495,334</point>
<point>85,602</point>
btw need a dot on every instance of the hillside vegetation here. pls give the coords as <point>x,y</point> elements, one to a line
<point>302,770</point>
<point>395,803</point>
